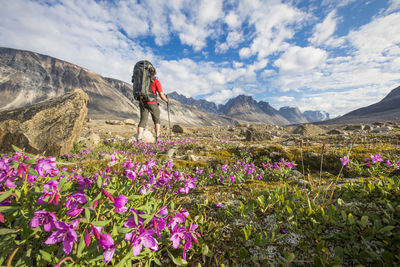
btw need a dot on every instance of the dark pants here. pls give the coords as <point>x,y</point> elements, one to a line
<point>144,114</point>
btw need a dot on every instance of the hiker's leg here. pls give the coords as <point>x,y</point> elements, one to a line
<point>155,115</point>
<point>157,128</point>
<point>144,114</point>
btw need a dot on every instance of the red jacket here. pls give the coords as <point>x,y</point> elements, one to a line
<point>155,87</point>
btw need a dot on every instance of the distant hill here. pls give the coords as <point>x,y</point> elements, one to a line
<point>388,109</point>
<point>28,77</point>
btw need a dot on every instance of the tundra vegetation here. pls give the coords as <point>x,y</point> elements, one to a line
<point>209,203</point>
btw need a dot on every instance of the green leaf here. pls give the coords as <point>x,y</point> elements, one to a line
<point>364,221</point>
<point>124,230</point>
<point>340,202</point>
<point>178,261</point>
<point>351,219</point>
<point>290,257</point>
<point>205,249</point>
<point>81,246</point>
<point>45,255</point>
<point>135,217</point>
<point>157,261</point>
<point>289,209</point>
<point>5,195</point>
<point>5,231</point>
<point>16,149</point>
<point>99,182</point>
<point>87,214</point>
<point>386,229</point>
<point>100,223</point>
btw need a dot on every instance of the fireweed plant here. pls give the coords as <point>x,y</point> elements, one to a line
<point>125,212</point>
<point>124,203</point>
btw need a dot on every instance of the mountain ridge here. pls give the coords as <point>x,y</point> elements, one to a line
<point>244,107</point>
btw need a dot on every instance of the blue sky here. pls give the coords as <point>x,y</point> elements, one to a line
<point>331,55</point>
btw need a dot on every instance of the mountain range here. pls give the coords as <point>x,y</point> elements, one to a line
<point>246,108</point>
<point>27,78</point>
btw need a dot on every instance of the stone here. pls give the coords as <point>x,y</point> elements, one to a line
<point>354,127</point>
<point>257,135</point>
<point>171,152</point>
<point>90,139</point>
<point>129,122</point>
<point>308,130</point>
<point>114,122</point>
<point>334,132</point>
<point>368,128</point>
<point>382,129</point>
<point>148,137</point>
<point>49,127</point>
<point>177,129</point>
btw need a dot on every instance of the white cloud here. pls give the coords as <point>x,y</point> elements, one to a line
<point>274,24</point>
<point>394,5</point>
<point>324,30</point>
<point>232,20</point>
<point>300,59</point>
<point>285,99</point>
<point>232,41</point>
<point>378,38</point>
<point>223,95</point>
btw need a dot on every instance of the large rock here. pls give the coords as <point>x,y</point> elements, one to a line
<point>254,134</point>
<point>308,130</point>
<point>49,127</point>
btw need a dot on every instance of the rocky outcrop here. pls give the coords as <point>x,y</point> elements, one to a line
<point>49,127</point>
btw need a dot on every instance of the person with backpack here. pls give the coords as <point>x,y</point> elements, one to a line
<point>145,88</point>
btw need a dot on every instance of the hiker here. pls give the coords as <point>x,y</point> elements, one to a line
<point>152,107</point>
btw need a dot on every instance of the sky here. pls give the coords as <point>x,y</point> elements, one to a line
<point>329,55</point>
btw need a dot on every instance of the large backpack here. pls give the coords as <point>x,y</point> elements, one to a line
<point>142,79</point>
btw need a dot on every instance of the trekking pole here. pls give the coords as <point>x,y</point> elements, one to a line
<point>169,121</point>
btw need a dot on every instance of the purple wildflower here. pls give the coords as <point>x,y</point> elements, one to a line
<point>224,168</point>
<point>169,164</point>
<point>218,205</point>
<point>143,239</point>
<point>232,178</point>
<point>119,203</point>
<point>388,163</point>
<point>51,193</point>
<point>178,218</point>
<point>47,219</point>
<point>65,234</point>
<point>107,244</point>
<point>187,234</point>
<point>47,167</point>
<point>345,162</point>
<point>376,158</point>
<point>188,185</point>
<point>75,199</point>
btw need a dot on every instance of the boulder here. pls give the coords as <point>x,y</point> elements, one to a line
<point>257,135</point>
<point>177,129</point>
<point>308,130</point>
<point>49,127</point>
